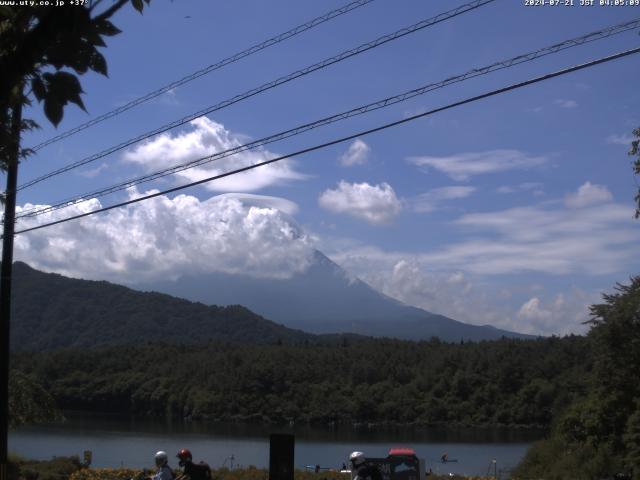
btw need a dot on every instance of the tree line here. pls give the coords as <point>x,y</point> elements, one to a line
<point>599,433</point>
<point>584,388</point>
<point>382,381</point>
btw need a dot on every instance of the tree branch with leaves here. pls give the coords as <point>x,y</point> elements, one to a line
<point>635,152</point>
<point>43,49</point>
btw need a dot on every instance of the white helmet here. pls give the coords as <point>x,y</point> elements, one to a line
<point>161,458</point>
<point>357,458</point>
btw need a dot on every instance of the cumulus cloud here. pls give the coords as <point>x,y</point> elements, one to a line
<point>563,314</point>
<point>463,166</point>
<point>205,138</point>
<point>168,237</point>
<point>356,154</point>
<point>377,204</point>
<point>563,103</point>
<point>429,201</point>
<point>466,297</point>
<point>588,194</point>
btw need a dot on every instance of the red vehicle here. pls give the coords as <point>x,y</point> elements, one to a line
<point>400,464</point>
<point>402,452</point>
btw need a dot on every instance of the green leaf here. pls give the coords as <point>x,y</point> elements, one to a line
<point>39,90</point>
<point>26,152</point>
<point>75,98</point>
<point>138,5</point>
<point>28,124</point>
<point>6,12</point>
<point>64,51</point>
<point>106,28</point>
<point>81,62</point>
<point>62,88</point>
<point>97,63</point>
<point>69,88</point>
<point>53,109</point>
<point>94,38</point>
<point>65,82</point>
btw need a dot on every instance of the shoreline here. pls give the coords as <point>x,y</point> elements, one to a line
<point>70,468</point>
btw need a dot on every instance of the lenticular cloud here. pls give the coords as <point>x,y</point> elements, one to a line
<point>206,138</point>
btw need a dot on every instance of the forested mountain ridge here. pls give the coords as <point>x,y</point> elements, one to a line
<point>504,382</point>
<point>52,311</point>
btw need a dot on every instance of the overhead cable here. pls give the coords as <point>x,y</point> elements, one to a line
<point>267,86</point>
<point>476,98</point>
<point>206,70</point>
<point>383,103</point>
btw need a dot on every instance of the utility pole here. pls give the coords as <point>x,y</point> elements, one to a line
<point>5,280</point>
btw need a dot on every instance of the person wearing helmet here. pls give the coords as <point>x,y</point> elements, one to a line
<point>360,470</point>
<point>164,471</point>
<point>190,470</point>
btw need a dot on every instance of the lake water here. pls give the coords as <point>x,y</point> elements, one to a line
<point>117,441</point>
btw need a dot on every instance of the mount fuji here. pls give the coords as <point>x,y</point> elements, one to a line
<point>325,299</point>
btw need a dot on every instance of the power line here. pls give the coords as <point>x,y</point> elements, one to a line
<point>204,71</point>
<point>269,85</point>
<point>347,138</point>
<point>527,57</point>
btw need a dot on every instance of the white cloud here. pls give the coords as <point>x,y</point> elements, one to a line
<point>206,138</point>
<point>563,103</point>
<point>263,201</point>
<point>593,240</point>
<point>465,297</point>
<point>357,154</point>
<point>588,194</point>
<point>534,187</point>
<point>563,314</point>
<point>93,172</point>
<point>470,277</point>
<point>429,201</point>
<point>169,98</point>
<point>465,165</point>
<point>621,139</point>
<point>597,239</point>
<point>166,238</point>
<point>377,204</point>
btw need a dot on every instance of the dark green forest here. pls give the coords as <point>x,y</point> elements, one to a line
<point>584,389</point>
<point>51,311</point>
<point>506,382</point>
<point>599,434</point>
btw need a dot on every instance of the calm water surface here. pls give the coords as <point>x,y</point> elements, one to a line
<point>117,441</point>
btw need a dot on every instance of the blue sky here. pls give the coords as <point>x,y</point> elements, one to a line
<point>515,211</point>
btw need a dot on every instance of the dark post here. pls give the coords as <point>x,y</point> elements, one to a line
<point>5,282</point>
<point>281,453</point>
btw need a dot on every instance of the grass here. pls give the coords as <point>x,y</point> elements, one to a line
<point>70,468</point>
<point>58,468</point>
